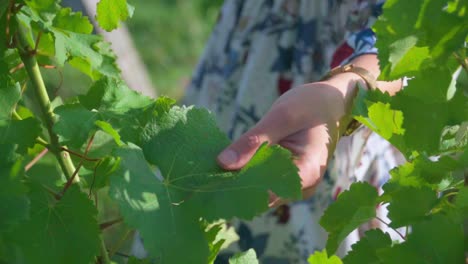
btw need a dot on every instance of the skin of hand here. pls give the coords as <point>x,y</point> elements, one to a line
<point>308,120</point>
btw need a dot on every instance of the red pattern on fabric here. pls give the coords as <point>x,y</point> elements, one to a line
<point>342,52</point>
<point>337,192</point>
<point>284,85</point>
<point>283,213</point>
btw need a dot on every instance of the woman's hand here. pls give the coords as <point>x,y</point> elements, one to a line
<point>308,120</point>
<point>305,120</point>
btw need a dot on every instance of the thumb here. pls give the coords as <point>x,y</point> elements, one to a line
<point>236,155</point>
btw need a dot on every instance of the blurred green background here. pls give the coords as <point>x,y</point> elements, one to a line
<point>170,36</point>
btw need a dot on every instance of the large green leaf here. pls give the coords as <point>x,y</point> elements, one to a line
<point>416,34</point>
<point>64,231</point>
<point>248,257</point>
<point>14,204</point>
<point>408,204</point>
<point>422,171</point>
<point>112,94</point>
<point>365,250</point>
<point>436,240</point>
<point>321,257</point>
<point>10,93</point>
<point>461,202</point>
<point>219,236</point>
<point>352,208</point>
<point>111,12</point>
<point>20,133</point>
<point>74,124</point>
<point>68,38</point>
<point>184,143</point>
<point>109,106</point>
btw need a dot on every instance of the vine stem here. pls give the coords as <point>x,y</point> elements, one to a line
<point>104,254</point>
<point>32,68</point>
<point>75,173</point>
<point>78,154</point>
<point>110,223</point>
<point>119,244</point>
<point>394,229</point>
<point>36,159</point>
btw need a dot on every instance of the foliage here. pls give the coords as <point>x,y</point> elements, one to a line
<point>248,257</point>
<point>427,121</point>
<point>157,161</point>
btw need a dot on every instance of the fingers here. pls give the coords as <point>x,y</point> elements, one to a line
<point>236,155</point>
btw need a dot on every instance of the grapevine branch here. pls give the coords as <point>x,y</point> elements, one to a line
<point>39,140</point>
<point>32,68</point>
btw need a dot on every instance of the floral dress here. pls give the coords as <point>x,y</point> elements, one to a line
<point>258,50</point>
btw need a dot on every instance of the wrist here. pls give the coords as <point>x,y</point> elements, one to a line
<point>347,84</point>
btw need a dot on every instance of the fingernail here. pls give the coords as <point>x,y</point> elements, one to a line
<point>228,157</point>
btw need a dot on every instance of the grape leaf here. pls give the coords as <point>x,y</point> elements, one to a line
<point>461,202</point>
<point>134,260</point>
<point>365,250</point>
<point>10,93</point>
<point>192,136</point>
<point>373,109</point>
<point>416,34</point>
<point>219,236</point>
<point>68,20</point>
<point>352,208</point>
<point>435,240</point>
<point>3,6</point>
<point>74,124</point>
<point>113,95</point>
<point>111,12</point>
<point>64,231</point>
<point>45,8</point>
<point>422,171</point>
<point>444,31</point>
<point>395,24</point>
<point>106,127</point>
<point>402,210</point>
<point>72,39</point>
<point>321,257</point>
<point>383,120</point>
<point>424,122</point>
<point>248,257</point>
<point>88,53</point>
<point>22,133</point>
<point>98,177</point>
<point>109,106</point>
<point>14,204</point>
<point>184,143</point>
